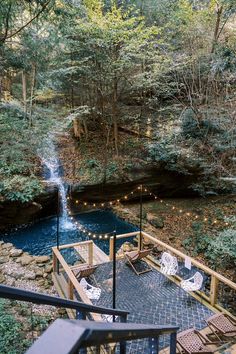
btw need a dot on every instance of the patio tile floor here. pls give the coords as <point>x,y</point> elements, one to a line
<point>150,298</point>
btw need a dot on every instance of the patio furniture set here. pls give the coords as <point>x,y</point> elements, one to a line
<point>222,326</point>
<point>168,266</point>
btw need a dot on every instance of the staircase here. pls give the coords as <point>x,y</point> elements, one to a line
<point>82,336</point>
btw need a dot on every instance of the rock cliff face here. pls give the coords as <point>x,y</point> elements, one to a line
<point>16,213</point>
<point>161,182</point>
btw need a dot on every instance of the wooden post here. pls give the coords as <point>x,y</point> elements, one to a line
<point>90,252</point>
<point>111,246</point>
<point>140,241</point>
<point>214,290</point>
<point>141,219</point>
<point>70,290</point>
<point>55,263</point>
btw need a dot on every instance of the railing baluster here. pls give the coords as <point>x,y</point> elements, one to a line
<point>123,319</point>
<point>123,347</point>
<point>153,345</point>
<point>80,315</point>
<point>173,337</point>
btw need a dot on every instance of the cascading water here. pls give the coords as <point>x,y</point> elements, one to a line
<point>50,159</point>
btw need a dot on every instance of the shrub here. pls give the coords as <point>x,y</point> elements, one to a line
<point>192,128</point>
<point>222,249</point>
<point>199,241</point>
<point>20,188</point>
<point>11,336</point>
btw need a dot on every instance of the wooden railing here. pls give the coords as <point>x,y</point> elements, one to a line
<point>118,237</point>
<point>64,277</point>
<point>215,278</point>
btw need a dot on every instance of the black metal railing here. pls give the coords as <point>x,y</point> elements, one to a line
<point>85,337</point>
<point>82,309</point>
<point>80,336</point>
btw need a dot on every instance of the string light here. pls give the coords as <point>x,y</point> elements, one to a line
<point>151,194</point>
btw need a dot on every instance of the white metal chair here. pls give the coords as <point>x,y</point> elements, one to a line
<point>192,284</point>
<point>91,291</point>
<point>169,264</point>
<point>108,318</point>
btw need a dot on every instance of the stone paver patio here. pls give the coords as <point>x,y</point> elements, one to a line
<point>150,298</point>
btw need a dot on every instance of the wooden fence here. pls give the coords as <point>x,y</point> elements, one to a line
<point>64,279</point>
<point>215,278</point>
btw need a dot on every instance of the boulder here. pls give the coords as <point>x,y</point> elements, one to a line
<point>4,252</point>
<point>41,282</point>
<point>7,245</point>
<point>16,275</point>
<point>39,273</point>
<point>126,247</point>
<point>15,252</point>
<point>2,278</point>
<point>42,259</point>
<point>48,268</point>
<point>4,259</point>
<point>155,221</point>
<point>30,275</point>
<point>26,260</point>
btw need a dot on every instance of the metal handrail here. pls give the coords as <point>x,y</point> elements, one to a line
<point>8,292</point>
<point>72,335</point>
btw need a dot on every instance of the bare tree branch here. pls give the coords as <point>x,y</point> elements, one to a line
<point>27,23</point>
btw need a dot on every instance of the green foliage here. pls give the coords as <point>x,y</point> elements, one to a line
<point>222,249</point>
<point>111,169</point>
<point>18,147</point>
<point>99,54</point>
<point>194,128</point>
<point>164,151</point>
<point>20,188</point>
<point>40,323</point>
<point>198,242</point>
<point>93,163</point>
<point>12,340</point>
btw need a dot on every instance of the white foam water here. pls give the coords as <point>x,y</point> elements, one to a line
<point>49,158</point>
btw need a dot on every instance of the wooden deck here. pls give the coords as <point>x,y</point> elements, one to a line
<point>68,286</point>
<point>99,257</point>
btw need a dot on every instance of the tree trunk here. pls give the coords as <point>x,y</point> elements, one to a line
<point>114,114</point>
<point>217,30</point>
<point>32,88</point>
<point>85,129</point>
<point>78,129</point>
<point>24,92</point>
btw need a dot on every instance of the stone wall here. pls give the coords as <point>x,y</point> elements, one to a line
<point>19,269</point>
<point>16,213</point>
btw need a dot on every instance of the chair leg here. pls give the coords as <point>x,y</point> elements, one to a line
<point>135,270</point>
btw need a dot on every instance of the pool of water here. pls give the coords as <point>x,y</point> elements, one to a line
<point>39,238</point>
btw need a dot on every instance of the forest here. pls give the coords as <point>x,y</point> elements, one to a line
<point>100,99</point>
<point>129,91</point>
<point>160,68</point>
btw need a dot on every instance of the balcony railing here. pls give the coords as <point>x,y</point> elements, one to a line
<point>82,336</point>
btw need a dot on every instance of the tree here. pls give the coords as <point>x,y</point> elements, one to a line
<point>105,51</point>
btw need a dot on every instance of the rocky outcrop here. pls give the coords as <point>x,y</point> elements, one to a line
<point>16,213</point>
<point>162,182</point>
<point>18,268</point>
<point>155,221</point>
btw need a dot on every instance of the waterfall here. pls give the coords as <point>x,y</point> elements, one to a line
<point>49,158</point>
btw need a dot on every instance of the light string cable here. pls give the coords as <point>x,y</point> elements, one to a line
<point>127,197</point>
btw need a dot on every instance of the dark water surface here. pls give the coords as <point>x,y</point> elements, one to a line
<point>38,239</point>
